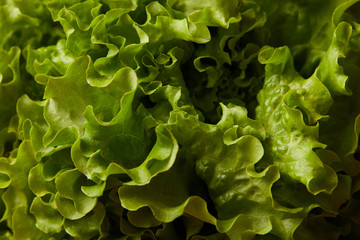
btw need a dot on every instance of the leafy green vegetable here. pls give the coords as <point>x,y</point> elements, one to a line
<point>179,119</point>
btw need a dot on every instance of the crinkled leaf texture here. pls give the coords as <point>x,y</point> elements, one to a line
<point>179,119</point>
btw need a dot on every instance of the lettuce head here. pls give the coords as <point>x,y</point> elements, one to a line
<point>179,119</point>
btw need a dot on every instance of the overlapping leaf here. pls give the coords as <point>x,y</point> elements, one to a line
<point>139,119</point>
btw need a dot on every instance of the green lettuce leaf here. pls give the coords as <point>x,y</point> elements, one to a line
<point>290,140</point>
<point>179,119</point>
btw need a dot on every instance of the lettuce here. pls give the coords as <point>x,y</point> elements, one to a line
<point>179,119</point>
